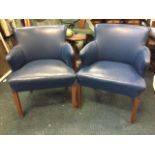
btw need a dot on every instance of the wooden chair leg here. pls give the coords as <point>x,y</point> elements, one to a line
<point>18,104</point>
<point>79,96</point>
<point>74,88</point>
<point>136,103</point>
<point>67,92</point>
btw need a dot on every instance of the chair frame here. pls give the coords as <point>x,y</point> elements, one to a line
<point>136,103</point>
<point>18,105</point>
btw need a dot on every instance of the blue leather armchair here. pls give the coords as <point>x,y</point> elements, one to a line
<point>42,59</point>
<point>116,61</point>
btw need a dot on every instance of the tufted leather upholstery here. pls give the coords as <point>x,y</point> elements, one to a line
<point>116,60</point>
<point>42,59</point>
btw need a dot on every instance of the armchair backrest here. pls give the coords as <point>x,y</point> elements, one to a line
<point>41,42</point>
<point>119,42</point>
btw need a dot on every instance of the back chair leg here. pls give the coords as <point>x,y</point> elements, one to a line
<point>136,103</point>
<point>74,92</point>
<point>18,104</point>
<point>79,89</point>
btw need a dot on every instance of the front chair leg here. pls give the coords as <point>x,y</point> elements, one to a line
<point>136,103</point>
<point>79,89</point>
<point>18,104</point>
<point>74,88</point>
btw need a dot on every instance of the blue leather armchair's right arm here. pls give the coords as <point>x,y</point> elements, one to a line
<point>16,58</point>
<point>142,60</point>
<point>89,54</point>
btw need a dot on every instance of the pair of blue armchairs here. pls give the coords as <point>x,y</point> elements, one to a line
<point>115,61</point>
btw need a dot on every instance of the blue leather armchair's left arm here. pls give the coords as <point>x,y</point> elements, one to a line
<point>142,60</point>
<point>16,58</point>
<point>67,54</point>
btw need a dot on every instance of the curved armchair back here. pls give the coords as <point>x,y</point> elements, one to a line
<point>43,42</point>
<point>119,42</point>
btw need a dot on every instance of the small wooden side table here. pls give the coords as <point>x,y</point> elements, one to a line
<point>72,40</point>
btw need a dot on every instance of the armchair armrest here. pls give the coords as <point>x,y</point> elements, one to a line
<point>67,54</point>
<point>142,60</point>
<point>16,58</point>
<point>89,54</point>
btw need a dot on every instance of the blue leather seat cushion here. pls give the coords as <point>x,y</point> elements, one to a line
<point>42,74</point>
<point>112,76</point>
